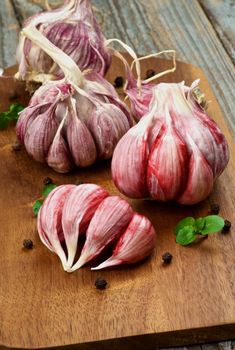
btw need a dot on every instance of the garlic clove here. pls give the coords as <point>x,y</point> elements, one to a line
<point>129,163</point>
<point>167,165</point>
<point>78,211</point>
<point>40,134</point>
<point>108,223</point>
<point>49,221</point>
<point>58,156</point>
<point>135,244</point>
<point>122,106</point>
<point>26,118</point>
<point>81,143</point>
<point>108,124</point>
<point>200,179</point>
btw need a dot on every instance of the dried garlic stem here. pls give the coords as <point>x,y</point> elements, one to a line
<point>158,75</point>
<point>126,65</point>
<point>132,54</point>
<point>65,62</point>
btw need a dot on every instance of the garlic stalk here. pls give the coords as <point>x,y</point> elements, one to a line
<point>71,71</point>
<point>73,29</point>
<point>175,152</point>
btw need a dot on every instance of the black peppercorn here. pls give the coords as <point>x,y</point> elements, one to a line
<point>27,244</point>
<point>227,226</point>
<point>150,73</point>
<point>47,181</point>
<point>215,209</point>
<point>118,82</point>
<point>100,283</point>
<point>167,257</point>
<point>16,146</point>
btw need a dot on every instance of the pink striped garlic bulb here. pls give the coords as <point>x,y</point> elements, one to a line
<point>74,121</point>
<point>73,29</point>
<point>70,211</point>
<point>174,153</point>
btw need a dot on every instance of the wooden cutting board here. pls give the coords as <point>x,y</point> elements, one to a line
<point>145,306</point>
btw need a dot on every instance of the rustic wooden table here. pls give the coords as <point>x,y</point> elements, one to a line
<point>201,31</point>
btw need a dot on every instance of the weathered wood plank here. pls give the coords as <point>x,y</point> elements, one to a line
<point>9,29</point>
<point>222,16</point>
<point>181,25</point>
<point>24,9</point>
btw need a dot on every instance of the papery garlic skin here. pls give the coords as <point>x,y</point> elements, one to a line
<point>73,29</point>
<point>175,152</point>
<point>49,221</point>
<point>135,244</point>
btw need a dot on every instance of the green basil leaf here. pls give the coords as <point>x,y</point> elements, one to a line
<point>14,109</point>
<point>10,115</point>
<point>37,205</point>
<point>189,221</point>
<point>186,235</point>
<point>213,223</point>
<point>47,189</point>
<point>3,121</point>
<point>200,224</point>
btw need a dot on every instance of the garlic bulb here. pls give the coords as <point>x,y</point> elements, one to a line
<point>175,152</point>
<point>73,121</point>
<point>73,29</point>
<point>70,211</point>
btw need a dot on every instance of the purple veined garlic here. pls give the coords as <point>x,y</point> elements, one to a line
<point>73,29</point>
<point>58,156</point>
<point>79,123</point>
<point>49,221</point>
<point>135,244</point>
<point>131,154</point>
<point>77,213</point>
<point>81,143</point>
<point>175,152</point>
<point>108,223</point>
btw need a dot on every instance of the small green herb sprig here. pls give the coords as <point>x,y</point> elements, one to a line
<point>45,191</point>
<point>188,229</point>
<point>10,115</point>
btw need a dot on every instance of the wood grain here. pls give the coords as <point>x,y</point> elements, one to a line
<point>9,30</point>
<point>145,306</point>
<point>221,14</point>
